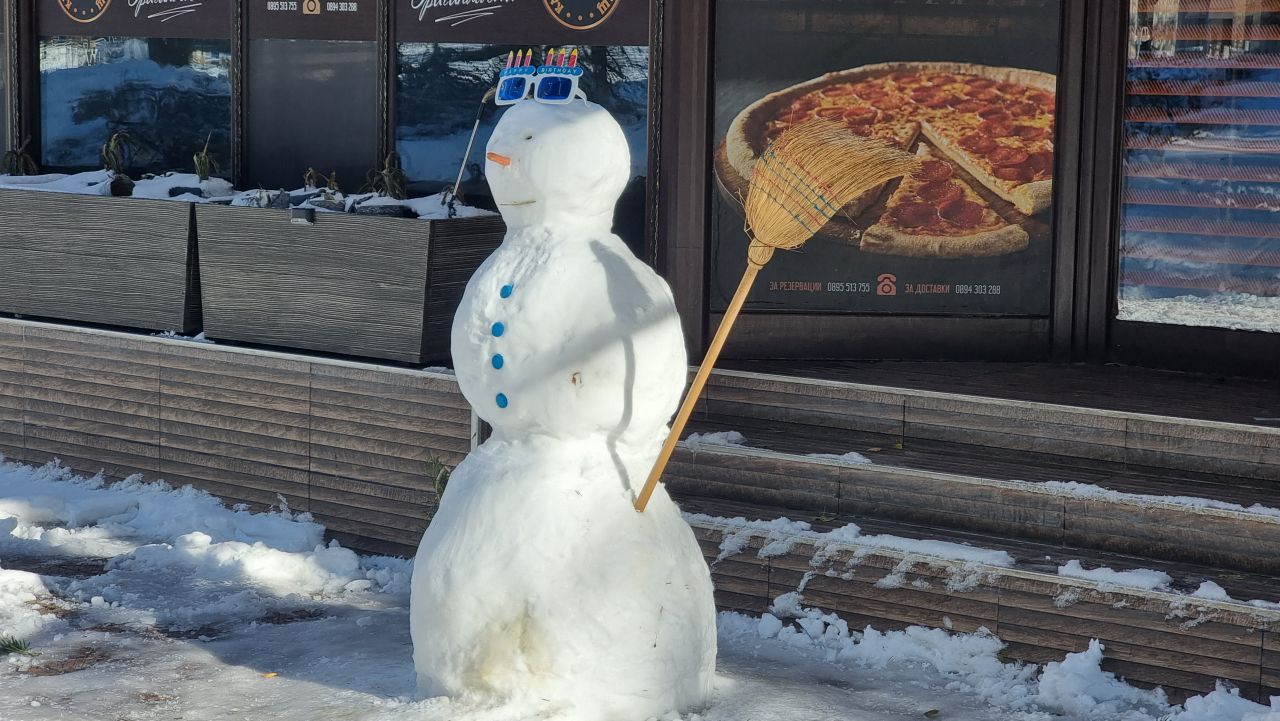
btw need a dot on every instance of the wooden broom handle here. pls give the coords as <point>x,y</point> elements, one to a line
<point>757,257</point>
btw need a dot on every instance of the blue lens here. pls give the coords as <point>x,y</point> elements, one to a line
<point>513,88</point>
<point>554,88</point>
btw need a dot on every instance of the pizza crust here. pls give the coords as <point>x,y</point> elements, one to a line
<point>888,241</point>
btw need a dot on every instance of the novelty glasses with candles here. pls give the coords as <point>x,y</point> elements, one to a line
<point>554,82</point>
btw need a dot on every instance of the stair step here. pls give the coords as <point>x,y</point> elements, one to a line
<point>1151,526</point>
<point>912,416</point>
<point>1157,636</point>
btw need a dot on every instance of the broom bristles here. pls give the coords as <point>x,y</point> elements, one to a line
<point>811,171</point>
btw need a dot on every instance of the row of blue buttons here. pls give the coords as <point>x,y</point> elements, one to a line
<point>498,329</point>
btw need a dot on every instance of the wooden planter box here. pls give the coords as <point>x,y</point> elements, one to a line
<point>111,261</point>
<point>352,285</point>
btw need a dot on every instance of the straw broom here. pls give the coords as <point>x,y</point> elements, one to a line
<point>799,183</point>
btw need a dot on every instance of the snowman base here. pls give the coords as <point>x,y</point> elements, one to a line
<point>538,582</point>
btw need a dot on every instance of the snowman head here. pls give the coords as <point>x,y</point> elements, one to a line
<point>561,165</point>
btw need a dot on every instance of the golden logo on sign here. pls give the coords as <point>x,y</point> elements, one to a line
<point>580,14</point>
<point>310,7</point>
<point>84,11</point>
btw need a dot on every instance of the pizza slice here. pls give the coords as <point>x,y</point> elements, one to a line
<point>935,214</point>
<point>1011,155</point>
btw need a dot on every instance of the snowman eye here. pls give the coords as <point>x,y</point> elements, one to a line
<point>528,136</point>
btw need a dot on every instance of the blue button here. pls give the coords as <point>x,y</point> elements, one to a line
<point>506,290</point>
<point>497,360</point>
<point>502,400</point>
<point>499,329</point>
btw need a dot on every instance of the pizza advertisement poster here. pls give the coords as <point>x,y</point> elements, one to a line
<point>970,89</point>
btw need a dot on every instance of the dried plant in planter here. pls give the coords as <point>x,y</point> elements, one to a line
<point>18,162</point>
<point>115,151</point>
<point>205,162</point>
<point>390,181</point>
<point>311,179</point>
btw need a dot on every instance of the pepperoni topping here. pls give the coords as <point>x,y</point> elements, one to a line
<point>980,83</point>
<point>830,113</point>
<point>1024,110</point>
<point>978,143</point>
<point>984,94</point>
<point>996,128</point>
<point>863,130</point>
<point>994,112</point>
<point>888,102</point>
<point>808,102</point>
<point>939,192</point>
<point>915,215</point>
<point>969,106</point>
<point>1010,88</point>
<point>1041,163</point>
<point>859,116</point>
<point>1028,132</point>
<point>1017,172</point>
<point>1040,97</point>
<point>939,100</point>
<point>934,170</point>
<point>1005,156</point>
<point>836,91</point>
<point>942,79</point>
<point>907,78</point>
<point>964,213</point>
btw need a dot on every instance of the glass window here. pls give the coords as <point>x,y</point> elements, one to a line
<point>438,91</point>
<point>970,86</point>
<point>166,94</point>
<point>1200,221</point>
<point>312,104</point>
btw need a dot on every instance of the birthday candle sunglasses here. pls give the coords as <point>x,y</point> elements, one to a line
<point>554,82</point>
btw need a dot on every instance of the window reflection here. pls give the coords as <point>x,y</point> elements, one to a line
<point>167,94</point>
<point>312,104</point>
<point>438,90</point>
<point>1200,230</point>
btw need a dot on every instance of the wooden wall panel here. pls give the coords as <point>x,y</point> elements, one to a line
<point>351,442</point>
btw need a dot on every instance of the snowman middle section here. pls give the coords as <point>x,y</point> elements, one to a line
<point>568,337</point>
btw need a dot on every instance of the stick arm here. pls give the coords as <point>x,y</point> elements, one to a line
<point>757,256</point>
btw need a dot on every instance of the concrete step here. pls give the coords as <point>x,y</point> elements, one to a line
<point>891,575</point>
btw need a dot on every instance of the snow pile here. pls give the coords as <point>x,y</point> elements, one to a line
<point>1078,686</point>
<point>160,187</point>
<point>1225,704</point>
<point>19,590</point>
<point>782,534</point>
<point>697,441</point>
<point>157,538</point>
<point>1142,578</point>
<point>1091,491</point>
<point>433,207</point>
<point>94,182</point>
<point>850,457</point>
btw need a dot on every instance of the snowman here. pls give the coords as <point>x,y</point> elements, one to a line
<point>537,581</point>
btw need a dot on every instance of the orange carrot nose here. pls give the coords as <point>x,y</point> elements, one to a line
<point>499,159</point>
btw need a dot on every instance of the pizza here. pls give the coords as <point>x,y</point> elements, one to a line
<point>933,213</point>
<point>994,124</point>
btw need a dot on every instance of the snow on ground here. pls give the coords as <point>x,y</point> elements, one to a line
<point>1237,311</point>
<point>146,602</point>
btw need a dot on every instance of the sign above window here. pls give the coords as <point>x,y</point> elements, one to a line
<point>313,19</point>
<point>135,18</point>
<point>537,22</point>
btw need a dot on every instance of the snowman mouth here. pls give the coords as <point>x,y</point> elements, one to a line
<point>523,202</point>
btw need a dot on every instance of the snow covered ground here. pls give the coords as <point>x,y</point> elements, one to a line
<point>145,602</point>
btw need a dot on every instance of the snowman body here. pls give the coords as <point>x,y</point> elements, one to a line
<point>537,580</point>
